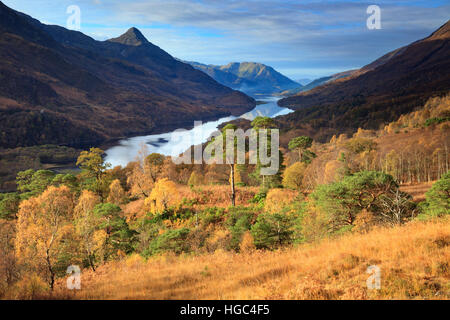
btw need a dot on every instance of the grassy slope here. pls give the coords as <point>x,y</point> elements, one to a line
<point>414,261</point>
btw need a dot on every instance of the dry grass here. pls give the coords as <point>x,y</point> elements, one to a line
<point>217,195</point>
<point>417,191</point>
<point>414,261</point>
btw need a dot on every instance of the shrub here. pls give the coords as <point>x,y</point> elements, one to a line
<point>374,191</point>
<point>260,197</point>
<point>273,230</point>
<point>239,221</point>
<point>171,240</point>
<point>438,198</point>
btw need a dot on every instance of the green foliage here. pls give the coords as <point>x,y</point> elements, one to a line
<point>437,120</point>
<point>268,181</point>
<point>437,202</point>
<point>302,142</point>
<point>31,183</point>
<point>343,200</point>
<point>93,170</point>
<point>240,220</point>
<point>67,180</point>
<point>260,197</point>
<point>274,230</point>
<point>211,215</point>
<point>263,123</point>
<point>9,205</point>
<point>155,159</point>
<point>92,162</point>
<point>171,240</point>
<point>119,235</point>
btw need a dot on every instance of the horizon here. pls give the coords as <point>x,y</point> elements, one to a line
<point>264,32</point>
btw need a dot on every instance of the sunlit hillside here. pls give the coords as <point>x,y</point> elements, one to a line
<point>414,262</point>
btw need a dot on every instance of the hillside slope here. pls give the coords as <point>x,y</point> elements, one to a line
<point>380,92</point>
<point>62,87</point>
<point>413,260</point>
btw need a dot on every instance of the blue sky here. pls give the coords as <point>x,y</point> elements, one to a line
<point>301,38</point>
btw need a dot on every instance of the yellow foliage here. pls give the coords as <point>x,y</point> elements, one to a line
<point>277,199</point>
<point>332,171</point>
<point>116,193</point>
<point>30,287</point>
<point>44,225</point>
<point>293,176</point>
<point>195,179</point>
<point>164,195</point>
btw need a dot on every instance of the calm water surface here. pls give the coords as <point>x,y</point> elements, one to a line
<point>169,143</point>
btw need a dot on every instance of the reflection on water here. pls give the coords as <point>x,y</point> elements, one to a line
<point>170,143</point>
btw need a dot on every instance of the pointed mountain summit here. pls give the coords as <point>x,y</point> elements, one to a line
<point>133,37</point>
<point>90,91</point>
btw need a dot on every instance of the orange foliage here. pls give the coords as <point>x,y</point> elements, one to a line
<point>413,259</point>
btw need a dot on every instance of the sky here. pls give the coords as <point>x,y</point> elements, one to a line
<point>300,38</point>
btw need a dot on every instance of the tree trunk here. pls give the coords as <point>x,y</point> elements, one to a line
<point>91,262</point>
<point>233,191</point>
<point>50,269</point>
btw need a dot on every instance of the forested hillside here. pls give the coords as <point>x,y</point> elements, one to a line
<point>335,208</point>
<point>62,87</point>
<point>379,93</point>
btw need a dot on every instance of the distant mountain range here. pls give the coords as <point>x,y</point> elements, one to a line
<point>304,81</point>
<point>376,94</point>
<point>249,77</point>
<point>62,87</point>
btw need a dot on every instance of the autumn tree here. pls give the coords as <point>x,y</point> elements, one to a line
<point>293,176</point>
<point>116,193</point>
<point>9,271</point>
<point>195,179</point>
<point>146,171</point>
<point>163,196</point>
<point>154,162</point>
<point>44,232</point>
<point>278,199</point>
<point>86,226</point>
<point>93,170</point>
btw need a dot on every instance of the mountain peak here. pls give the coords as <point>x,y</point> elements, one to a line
<point>133,37</point>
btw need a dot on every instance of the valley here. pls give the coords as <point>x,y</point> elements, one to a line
<point>340,190</point>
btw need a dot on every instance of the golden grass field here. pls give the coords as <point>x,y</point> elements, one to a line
<point>418,190</point>
<point>414,261</point>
